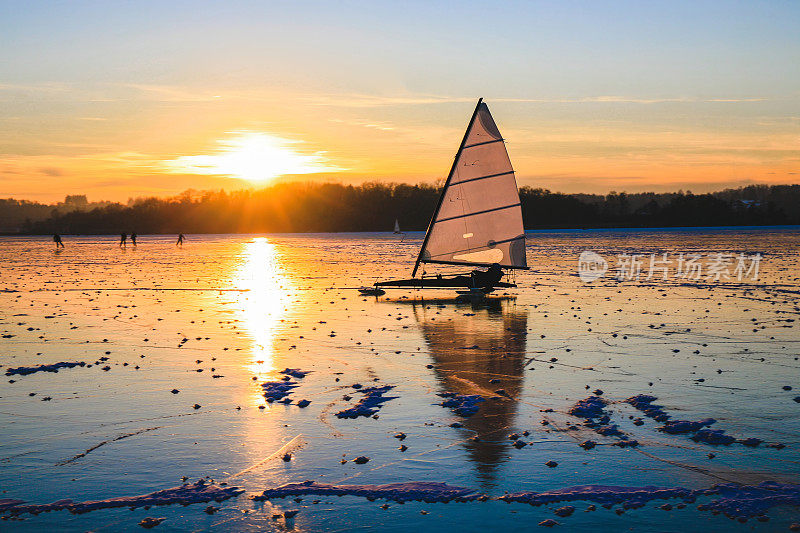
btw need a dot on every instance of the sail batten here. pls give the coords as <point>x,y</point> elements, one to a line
<point>467,250</point>
<point>487,177</point>
<point>484,142</point>
<point>479,212</point>
<point>478,220</point>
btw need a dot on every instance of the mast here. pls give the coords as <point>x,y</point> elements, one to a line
<point>444,188</point>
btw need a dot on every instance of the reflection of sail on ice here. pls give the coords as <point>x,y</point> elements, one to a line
<point>479,219</point>
<point>471,351</point>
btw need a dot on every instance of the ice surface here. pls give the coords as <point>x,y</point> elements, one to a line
<point>275,316</point>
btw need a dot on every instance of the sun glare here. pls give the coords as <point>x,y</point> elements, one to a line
<point>264,303</point>
<point>255,157</point>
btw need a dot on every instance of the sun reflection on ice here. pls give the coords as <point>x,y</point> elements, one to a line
<point>263,304</point>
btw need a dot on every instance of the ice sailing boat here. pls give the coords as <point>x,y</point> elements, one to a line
<point>397,227</point>
<point>478,220</point>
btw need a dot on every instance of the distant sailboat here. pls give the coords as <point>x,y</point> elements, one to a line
<point>397,227</point>
<point>478,220</point>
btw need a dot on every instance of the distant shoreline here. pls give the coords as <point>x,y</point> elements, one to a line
<point>420,234</point>
<point>310,207</point>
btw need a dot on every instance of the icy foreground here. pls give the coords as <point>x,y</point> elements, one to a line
<point>658,404</point>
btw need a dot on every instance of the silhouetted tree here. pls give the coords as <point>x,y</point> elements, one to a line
<point>326,207</point>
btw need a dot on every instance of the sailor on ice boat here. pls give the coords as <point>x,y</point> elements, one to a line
<point>478,220</point>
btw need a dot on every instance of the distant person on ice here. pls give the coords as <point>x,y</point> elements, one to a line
<point>133,238</point>
<point>123,240</point>
<point>180,240</point>
<point>57,240</point>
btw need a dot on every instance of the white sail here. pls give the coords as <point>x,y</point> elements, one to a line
<point>396,226</point>
<point>479,218</point>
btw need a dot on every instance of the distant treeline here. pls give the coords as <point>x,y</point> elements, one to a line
<point>331,207</point>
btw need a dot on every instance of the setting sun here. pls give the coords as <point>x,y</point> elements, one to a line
<point>255,157</point>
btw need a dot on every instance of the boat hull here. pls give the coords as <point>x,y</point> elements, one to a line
<point>457,282</point>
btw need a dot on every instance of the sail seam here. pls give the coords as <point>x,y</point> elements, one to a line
<point>478,212</point>
<point>479,248</point>
<point>484,142</point>
<point>484,177</point>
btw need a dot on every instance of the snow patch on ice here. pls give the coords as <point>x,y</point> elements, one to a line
<point>676,427</point>
<point>644,403</point>
<point>295,372</point>
<point>200,492</point>
<point>739,502</point>
<point>630,497</point>
<point>369,405</point>
<point>400,492</point>
<point>55,367</point>
<point>736,501</point>
<point>462,404</point>
<point>591,407</point>
<point>277,390</point>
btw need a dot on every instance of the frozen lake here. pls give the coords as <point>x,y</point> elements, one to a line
<point>179,342</point>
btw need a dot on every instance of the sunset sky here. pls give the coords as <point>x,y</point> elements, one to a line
<point>126,99</point>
